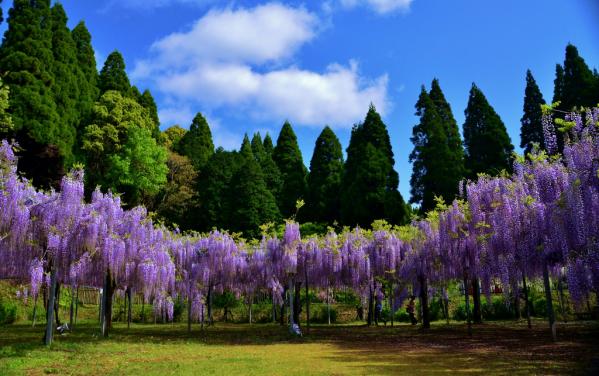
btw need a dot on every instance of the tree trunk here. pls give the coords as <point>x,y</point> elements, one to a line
<point>517,312</point>
<point>426,322</point>
<point>250,309</point>
<point>328,306</point>
<point>526,301</point>
<point>307,302</point>
<point>467,305</point>
<point>50,312</point>
<point>297,306</point>
<point>548,297</point>
<point>283,316</point>
<point>291,299</point>
<point>476,307</point>
<point>274,308</point>
<point>57,305</point>
<point>391,303</point>
<point>562,304</point>
<point>108,294</point>
<point>210,318</point>
<point>72,307</point>
<point>76,305</point>
<point>129,298</point>
<point>370,306</point>
<point>34,311</point>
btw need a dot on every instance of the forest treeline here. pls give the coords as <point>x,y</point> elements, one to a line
<point>63,112</point>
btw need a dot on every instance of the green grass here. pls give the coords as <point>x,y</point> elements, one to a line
<point>267,349</point>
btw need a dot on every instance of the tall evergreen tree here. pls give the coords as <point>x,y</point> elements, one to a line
<point>289,160</point>
<point>324,179</point>
<point>488,148</point>
<point>432,173</point>
<point>369,181</point>
<point>113,75</point>
<point>88,79</point>
<point>455,170</point>
<point>272,175</point>
<point>579,82</point>
<point>66,72</point>
<point>558,83</point>
<point>197,142</point>
<point>252,203</point>
<point>268,145</point>
<point>214,194</point>
<point>531,131</point>
<point>26,58</point>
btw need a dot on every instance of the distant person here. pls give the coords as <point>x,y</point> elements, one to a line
<point>411,308</point>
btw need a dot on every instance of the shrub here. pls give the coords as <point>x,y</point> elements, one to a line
<point>321,315</point>
<point>402,316</point>
<point>8,312</point>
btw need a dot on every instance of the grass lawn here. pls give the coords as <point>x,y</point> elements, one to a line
<point>266,349</point>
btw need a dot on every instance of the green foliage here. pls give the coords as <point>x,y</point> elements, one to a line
<point>113,76</point>
<point>66,72</point>
<point>324,179</point>
<point>120,134</point>
<point>86,62</point>
<point>488,148</point>
<point>321,315</point>
<point>8,312</point>
<point>178,197</point>
<point>369,183</point>
<point>579,82</point>
<point>213,190</point>
<point>26,55</point>
<point>172,136</point>
<point>252,203</point>
<point>437,168</point>
<point>289,160</point>
<point>272,175</point>
<point>139,169</point>
<point>531,131</point>
<point>197,142</point>
<point>6,124</point>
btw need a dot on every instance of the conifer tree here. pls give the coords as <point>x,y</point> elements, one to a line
<point>558,83</point>
<point>268,145</point>
<point>432,173</point>
<point>488,148</point>
<point>531,131</point>
<point>214,194</point>
<point>252,204</point>
<point>289,160</point>
<point>113,75</point>
<point>578,83</point>
<point>88,80</point>
<point>197,142</point>
<point>66,72</point>
<point>455,170</point>
<point>26,58</point>
<point>272,175</point>
<point>369,184</point>
<point>324,180</point>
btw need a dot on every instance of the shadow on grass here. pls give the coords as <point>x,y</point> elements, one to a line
<point>502,347</point>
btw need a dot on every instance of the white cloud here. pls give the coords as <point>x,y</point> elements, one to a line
<point>379,6</point>
<point>226,61</point>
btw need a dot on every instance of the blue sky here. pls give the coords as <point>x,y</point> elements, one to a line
<point>249,65</point>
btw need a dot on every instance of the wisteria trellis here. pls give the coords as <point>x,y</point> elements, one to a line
<point>542,220</point>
